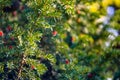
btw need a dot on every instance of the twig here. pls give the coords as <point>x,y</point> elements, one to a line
<point>21,66</point>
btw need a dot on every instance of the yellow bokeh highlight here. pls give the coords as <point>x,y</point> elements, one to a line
<point>94,7</point>
<point>106,3</point>
<point>117,3</point>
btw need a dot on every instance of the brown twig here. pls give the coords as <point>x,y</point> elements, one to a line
<point>21,66</point>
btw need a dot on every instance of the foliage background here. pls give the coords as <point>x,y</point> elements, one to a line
<point>60,40</point>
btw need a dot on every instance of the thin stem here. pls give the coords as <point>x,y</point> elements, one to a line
<point>21,66</point>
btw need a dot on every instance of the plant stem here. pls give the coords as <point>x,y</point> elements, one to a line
<point>21,66</point>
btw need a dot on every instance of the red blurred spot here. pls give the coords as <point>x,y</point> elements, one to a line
<point>32,67</point>
<point>12,38</point>
<point>54,33</point>
<point>21,8</point>
<point>14,13</point>
<point>9,28</point>
<point>90,75</point>
<point>67,61</point>
<point>1,33</point>
<point>10,47</point>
